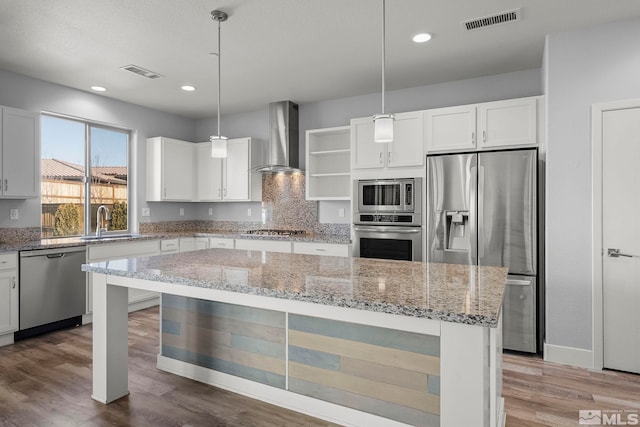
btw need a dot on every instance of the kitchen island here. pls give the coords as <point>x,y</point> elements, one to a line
<point>352,340</point>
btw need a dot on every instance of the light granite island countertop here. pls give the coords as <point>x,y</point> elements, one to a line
<point>352,340</point>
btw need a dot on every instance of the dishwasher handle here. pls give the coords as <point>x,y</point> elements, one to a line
<point>58,255</point>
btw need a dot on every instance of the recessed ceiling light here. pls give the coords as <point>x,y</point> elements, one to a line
<point>188,88</point>
<point>99,88</point>
<point>422,37</point>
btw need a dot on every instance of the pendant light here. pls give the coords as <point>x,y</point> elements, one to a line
<point>218,142</point>
<point>383,123</point>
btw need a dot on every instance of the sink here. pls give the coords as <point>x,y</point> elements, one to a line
<point>109,237</point>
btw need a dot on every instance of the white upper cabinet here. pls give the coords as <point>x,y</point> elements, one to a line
<point>328,164</point>
<point>209,174</point>
<point>490,125</point>
<point>406,150</point>
<point>20,154</point>
<point>232,178</point>
<point>170,170</point>
<point>451,128</point>
<point>507,123</point>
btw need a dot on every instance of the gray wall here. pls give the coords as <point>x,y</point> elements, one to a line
<point>23,92</point>
<point>583,67</point>
<point>338,112</point>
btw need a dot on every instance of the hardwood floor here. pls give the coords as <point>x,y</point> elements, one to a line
<point>46,381</point>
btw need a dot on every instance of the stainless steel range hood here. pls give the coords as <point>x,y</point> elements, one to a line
<point>282,150</point>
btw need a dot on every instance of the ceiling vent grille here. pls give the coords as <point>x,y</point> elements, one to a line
<point>141,71</point>
<point>487,21</point>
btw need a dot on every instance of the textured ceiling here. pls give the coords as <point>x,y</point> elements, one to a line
<point>302,50</point>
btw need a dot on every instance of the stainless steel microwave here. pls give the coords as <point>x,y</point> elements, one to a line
<point>388,195</point>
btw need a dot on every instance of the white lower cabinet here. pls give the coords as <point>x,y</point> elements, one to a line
<point>329,249</point>
<point>170,246</point>
<point>221,242</point>
<point>187,244</point>
<point>138,299</point>
<point>264,245</point>
<point>9,289</point>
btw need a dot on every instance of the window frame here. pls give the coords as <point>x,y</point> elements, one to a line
<point>88,125</point>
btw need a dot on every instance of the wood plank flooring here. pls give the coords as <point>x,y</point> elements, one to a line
<point>46,381</point>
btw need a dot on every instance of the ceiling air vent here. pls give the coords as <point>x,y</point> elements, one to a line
<point>487,21</point>
<point>141,71</point>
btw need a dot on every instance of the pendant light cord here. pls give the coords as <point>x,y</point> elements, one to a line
<point>383,49</point>
<point>219,88</point>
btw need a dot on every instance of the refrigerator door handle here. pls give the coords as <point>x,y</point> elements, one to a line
<point>480,201</point>
<point>473,215</point>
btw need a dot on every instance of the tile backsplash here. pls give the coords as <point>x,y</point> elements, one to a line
<point>283,207</point>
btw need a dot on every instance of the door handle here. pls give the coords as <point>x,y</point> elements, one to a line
<point>615,253</point>
<point>52,256</point>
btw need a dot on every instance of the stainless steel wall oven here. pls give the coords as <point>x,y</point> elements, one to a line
<point>387,223</point>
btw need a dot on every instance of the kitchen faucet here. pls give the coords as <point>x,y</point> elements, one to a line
<point>107,217</point>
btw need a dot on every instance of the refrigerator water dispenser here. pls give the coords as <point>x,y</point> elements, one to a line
<point>457,236</point>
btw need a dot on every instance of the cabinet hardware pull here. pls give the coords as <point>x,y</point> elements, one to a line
<point>225,192</point>
<point>484,136</point>
<point>13,283</point>
<point>321,250</point>
<point>381,157</point>
<point>473,137</point>
<point>389,156</point>
<point>6,185</point>
<point>219,192</point>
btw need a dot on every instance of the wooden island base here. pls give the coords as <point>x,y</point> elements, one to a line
<point>345,365</point>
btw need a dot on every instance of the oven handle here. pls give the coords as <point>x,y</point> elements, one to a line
<point>392,229</point>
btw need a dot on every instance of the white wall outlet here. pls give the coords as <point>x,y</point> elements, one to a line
<point>248,211</point>
<point>341,212</point>
<point>146,212</point>
<point>210,211</point>
<point>14,214</point>
<point>181,211</point>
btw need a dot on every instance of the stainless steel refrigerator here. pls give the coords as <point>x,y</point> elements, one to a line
<point>482,210</point>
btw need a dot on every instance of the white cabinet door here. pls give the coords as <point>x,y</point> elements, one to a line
<point>209,168</point>
<point>507,123</point>
<point>264,245</point>
<point>202,243</point>
<point>365,153</point>
<point>20,153</point>
<point>178,170</point>
<point>329,249</point>
<point>450,129</point>
<point>236,170</point>
<point>187,244</point>
<point>407,148</point>
<point>221,242</point>
<point>8,301</point>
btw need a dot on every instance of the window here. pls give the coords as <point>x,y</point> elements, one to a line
<point>82,161</point>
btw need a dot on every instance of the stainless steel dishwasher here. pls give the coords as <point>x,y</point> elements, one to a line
<point>52,290</point>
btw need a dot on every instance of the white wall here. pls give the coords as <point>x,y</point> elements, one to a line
<point>23,92</point>
<point>583,67</point>
<point>338,112</point>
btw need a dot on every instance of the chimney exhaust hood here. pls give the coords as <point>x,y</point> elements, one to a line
<point>282,149</point>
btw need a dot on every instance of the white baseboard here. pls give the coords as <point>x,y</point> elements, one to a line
<point>568,356</point>
<point>276,396</point>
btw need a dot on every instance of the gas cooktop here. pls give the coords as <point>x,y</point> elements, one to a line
<point>273,232</point>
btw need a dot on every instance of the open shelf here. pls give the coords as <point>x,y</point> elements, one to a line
<point>329,163</point>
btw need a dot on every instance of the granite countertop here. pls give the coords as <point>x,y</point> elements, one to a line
<point>453,293</point>
<point>64,242</point>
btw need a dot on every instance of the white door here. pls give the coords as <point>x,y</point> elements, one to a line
<point>450,128</point>
<point>621,232</point>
